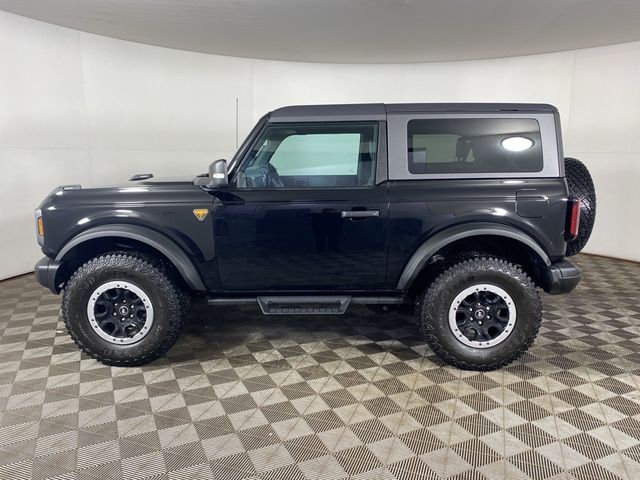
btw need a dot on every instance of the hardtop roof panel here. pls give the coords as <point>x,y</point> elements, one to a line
<point>379,111</point>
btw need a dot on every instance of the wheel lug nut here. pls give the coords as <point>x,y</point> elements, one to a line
<point>487,308</point>
<point>114,314</point>
<point>131,315</point>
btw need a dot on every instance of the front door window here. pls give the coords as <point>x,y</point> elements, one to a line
<point>312,156</point>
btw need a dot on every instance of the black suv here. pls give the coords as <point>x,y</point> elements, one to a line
<point>463,210</point>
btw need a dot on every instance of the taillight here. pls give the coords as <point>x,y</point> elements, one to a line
<point>573,219</point>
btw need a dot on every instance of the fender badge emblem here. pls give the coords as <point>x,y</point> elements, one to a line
<point>200,213</point>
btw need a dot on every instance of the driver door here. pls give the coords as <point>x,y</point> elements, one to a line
<point>303,211</point>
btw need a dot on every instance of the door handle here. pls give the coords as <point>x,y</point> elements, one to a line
<point>360,213</point>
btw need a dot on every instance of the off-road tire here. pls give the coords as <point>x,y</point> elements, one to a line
<point>581,185</point>
<point>169,271</point>
<point>433,308</point>
<point>167,299</point>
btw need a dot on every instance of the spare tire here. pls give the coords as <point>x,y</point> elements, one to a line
<point>581,186</point>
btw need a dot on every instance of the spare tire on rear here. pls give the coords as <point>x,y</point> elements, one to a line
<point>581,186</point>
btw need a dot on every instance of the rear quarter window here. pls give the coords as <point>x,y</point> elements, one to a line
<point>474,145</point>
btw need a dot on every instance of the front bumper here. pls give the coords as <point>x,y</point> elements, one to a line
<point>47,272</point>
<point>561,277</point>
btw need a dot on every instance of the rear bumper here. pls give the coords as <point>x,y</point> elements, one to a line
<point>561,277</point>
<point>47,272</point>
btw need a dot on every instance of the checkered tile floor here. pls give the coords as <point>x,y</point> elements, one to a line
<point>358,396</point>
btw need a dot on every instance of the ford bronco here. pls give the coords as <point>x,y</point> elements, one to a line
<point>463,210</point>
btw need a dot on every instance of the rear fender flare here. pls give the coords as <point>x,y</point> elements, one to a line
<point>153,239</point>
<point>441,239</point>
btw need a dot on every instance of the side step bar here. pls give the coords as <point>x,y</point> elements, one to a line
<point>305,304</point>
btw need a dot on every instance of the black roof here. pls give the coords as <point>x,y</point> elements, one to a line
<point>379,111</point>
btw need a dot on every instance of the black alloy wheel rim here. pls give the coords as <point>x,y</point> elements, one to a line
<point>120,312</point>
<point>482,316</point>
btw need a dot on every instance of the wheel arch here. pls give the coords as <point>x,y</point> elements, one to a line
<point>152,241</point>
<point>465,234</point>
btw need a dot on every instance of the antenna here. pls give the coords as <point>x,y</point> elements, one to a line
<point>236,123</point>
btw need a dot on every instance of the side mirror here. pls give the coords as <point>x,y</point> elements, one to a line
<point>218,174</point>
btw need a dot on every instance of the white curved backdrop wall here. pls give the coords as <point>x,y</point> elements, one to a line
<point>80,108</point>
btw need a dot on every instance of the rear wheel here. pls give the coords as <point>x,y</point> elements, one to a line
<point>122,309</point>
<point>581,186</point>
<point>480,314</point>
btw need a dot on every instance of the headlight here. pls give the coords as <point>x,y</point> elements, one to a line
<point>39,226</point>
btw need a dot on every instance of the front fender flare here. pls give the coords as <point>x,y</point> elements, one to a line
<point>441,239</point>
<point>159,242</point>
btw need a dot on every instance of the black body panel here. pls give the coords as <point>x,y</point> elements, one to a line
<point>162,206</point>
<point>301,239</point>
<point>420,209</point>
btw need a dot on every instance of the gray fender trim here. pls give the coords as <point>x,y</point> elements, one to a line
<point>163,244</point>
<point>441,239</point>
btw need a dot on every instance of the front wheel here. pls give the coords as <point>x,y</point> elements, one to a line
<point>480,314</point>
<point>122,309</point>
